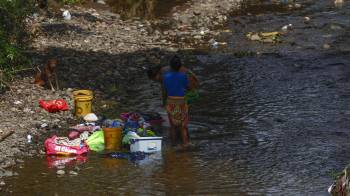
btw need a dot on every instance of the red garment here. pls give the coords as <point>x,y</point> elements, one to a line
<point>54,105</point>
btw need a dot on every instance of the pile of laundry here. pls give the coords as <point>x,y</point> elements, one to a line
<point>136,127</point>
<point>89,136</point>
<point>77,140</point>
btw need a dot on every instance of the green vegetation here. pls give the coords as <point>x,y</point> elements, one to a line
<point>13,37</point>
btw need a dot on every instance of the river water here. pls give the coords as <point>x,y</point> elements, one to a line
<point>271,121</point>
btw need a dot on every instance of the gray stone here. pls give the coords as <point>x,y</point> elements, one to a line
<point>101,2</point>
<point>60,172</point>
<point>326,46</point>
<point>73,173</point>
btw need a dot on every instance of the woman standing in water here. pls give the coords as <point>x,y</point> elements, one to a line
<point>178,86</point>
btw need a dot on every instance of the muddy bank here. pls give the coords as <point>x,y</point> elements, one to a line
<point>21,114</point>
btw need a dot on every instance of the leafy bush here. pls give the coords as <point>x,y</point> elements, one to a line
<point>13,36</point>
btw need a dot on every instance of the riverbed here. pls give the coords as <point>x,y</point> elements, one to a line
<point>272,119</point>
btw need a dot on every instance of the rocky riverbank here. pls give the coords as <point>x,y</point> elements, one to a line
<point>22,116</point>
<point>99,51</point>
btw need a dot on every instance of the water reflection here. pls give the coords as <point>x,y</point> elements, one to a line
<point>61,161</point>
<point>178,173</point>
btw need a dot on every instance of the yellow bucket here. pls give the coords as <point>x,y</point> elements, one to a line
<point>82,102</point>
<point>113,138</point>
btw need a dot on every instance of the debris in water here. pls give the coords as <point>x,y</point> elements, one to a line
<point>66,15</point>
<point>29,138</point>
<point>44,125</point>
<point>17,102</point>
<point>215,44</point>
<point>307,19</point>
<point>271,37</point>
<point>287,27</point>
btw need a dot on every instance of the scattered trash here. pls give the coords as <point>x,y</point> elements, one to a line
<point>66,15</point>
<point>268,37</point>
<point>17,102</point>
<point>287,27</point>
<point>44,125</point>
<point>307,19</point>
<point>29,138</point>
<point>53,106</point>
<point>216,44</point>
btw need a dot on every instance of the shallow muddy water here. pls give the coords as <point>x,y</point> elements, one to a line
<point>272,123</point>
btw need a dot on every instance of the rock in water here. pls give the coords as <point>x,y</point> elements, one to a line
<point>73,173</point>
<point>60,172</point>
<point>101,2</point>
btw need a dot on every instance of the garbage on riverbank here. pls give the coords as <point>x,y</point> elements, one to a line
<point>53,106</point>
<point>266,37</point>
